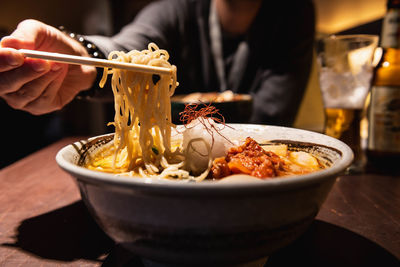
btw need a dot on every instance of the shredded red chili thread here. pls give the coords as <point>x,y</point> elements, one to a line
<point>193,112</point>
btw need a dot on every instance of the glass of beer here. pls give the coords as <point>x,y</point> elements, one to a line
<point>345,65</point>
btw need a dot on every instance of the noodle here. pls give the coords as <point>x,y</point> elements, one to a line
<point>142,140</point>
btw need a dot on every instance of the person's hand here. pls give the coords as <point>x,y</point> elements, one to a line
<point>35,85</point>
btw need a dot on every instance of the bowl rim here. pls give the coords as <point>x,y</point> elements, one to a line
<point>286,183</point>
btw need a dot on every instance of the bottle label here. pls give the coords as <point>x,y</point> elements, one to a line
<point>384,119</point>
<point>391,29</point>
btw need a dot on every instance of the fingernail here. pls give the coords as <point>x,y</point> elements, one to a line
<point>55,67</point>
<point>39,66</point>
<point>13,61</point>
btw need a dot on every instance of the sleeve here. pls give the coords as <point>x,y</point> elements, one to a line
<point>281,85</point>
<point>158,22</point>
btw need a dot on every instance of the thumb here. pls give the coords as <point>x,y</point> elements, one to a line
<point>29,34</point>
<point>13,42</point>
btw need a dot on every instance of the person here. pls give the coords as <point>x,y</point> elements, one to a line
<point>264,48</point>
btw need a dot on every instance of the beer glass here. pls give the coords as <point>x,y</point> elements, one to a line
<point>345,73</point>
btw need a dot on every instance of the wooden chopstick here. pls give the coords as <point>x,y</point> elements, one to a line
<point>77,60</point>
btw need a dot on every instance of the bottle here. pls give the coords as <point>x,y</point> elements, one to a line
<point>383,146</point>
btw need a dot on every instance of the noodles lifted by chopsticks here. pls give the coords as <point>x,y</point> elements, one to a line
<point>142,141</point>
<point>143,144</point>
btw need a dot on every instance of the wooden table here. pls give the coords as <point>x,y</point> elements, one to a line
<point>43,222</point>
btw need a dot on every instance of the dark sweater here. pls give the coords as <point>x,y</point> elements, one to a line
<point>276,68</point>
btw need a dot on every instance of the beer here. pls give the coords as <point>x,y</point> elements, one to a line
<point>383,147</point>
<point>344,124</point>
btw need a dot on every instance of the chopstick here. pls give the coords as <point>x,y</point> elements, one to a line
<point>77,60</point>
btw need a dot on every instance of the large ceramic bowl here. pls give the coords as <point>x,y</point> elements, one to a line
<point>209,222</point>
